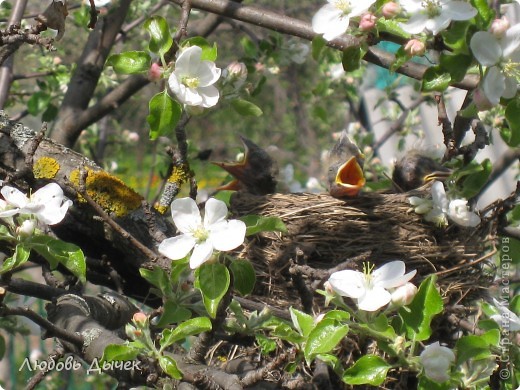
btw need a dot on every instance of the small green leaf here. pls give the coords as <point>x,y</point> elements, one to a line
<point>20,256</point>
<point>158,278</point>
<point>426,304</point>
<point>38,102</point>
<point>392,27</point>
<point>246,108</point>
<point>173,313</point>
<point>369,370</point>
<point>119,352</point>
<point>323,338</point>
<point>160,37</point>
<point>258,223</point>
<point>512,135</point>
<point>456,36</point>
<point>401,57</point>
<point>303,322</point>
<point>209,52</point>
<point>474,182</point>
<point>244,276</point>
<point>485,12</point>
<point>474,347</point>
<point>435,79</point>
<point>318,44</point>
<point>213,282</point>
<point>187,328</point>
<point>456,64</point>
<point>169,366</point>
<point>266,344</point>
<point>351,58</point>
<point>164,115</point>
<point>130,62</point>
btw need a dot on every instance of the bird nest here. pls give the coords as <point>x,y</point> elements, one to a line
<point>327,235</point>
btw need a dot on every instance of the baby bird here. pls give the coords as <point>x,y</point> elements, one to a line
<point>415,170</point>
<point>255,173</point>
<point>345,175</point>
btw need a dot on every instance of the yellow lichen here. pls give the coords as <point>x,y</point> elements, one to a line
<point>109,192</point>
<point>45,168</point>
<point>180,174</point>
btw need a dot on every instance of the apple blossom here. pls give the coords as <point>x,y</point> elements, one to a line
<point>501,56</point>
<point>415,47</point>
<point>434,15</point>
<point>391,10</point>
<point>459,213</point>
<point>403,295</point>
<point>203,236</point>
<point>436,361</point>
<point>506,319</point>
<point>371,288</point>
<point>49,205</point>
<point>333,19</point>
<point>193,78</point>
<point>367,22</point>
<point>499,27</point>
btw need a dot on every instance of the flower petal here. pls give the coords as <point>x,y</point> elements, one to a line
<point>485,48</point>
<point>188,60</point>
<point>437,24</point>
<point>374,299</point>
<point>439,196</point>
<point>511,41</point>
<point>359,7</point>
<point>209,96</point>
<point>186,215</point>
<point>392,275</point>
<point>459,10</point>
<point>494,85</point>
<point>411,6</point>
<point>348,283</point>
<point>511,88</point>
<point>14,196</point>
<point>208,73</point>
<point>178,247</point>
<point>227,235</point>
<point>215,211</point>
<point>201,254</point>
<point>416,24</point>
<point>330,21</point>
<point>53,213</point>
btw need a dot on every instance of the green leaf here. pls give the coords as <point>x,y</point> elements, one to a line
<point>258,223</point>
<point>318,44</point>
<point>456,64</point>
<point>38,102</point>
<point>485,12</point>
<point>130,62</point>
<point>5,234</point>
<point>119,352</point>
<point>164,115</point>
<point>213,281</point>
<point>391,26</point>
<point>474,182</point>
<point>266,344</point>
<point>169,366</point>
<point>323,338</point>
<point>20,256</point>
<point>401,57</point>
<point>160,37</point>
<point>173,313</point>
<point>512,135</point>
<point>351,58</point>
<point>246,108</point>
<point>455,37</point>
<point>303,322</point>
<point>209,52</point>
<point>157,277</point>
<point>435,79</point>
<point>368,369</point>
<point>474,347</point>
<point>426,304</point>
<point>187,328</point>
<point>50,113</point>
<point>244,276</point>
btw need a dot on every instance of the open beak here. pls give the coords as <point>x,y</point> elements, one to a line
<point>437,175</point>
<point>349,179</point>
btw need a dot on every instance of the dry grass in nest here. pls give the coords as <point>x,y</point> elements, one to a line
<point>326,235</point>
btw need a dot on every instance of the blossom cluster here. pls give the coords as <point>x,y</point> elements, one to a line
<point>440,208</point>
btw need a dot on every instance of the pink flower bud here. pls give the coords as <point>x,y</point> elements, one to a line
<point>414,47</point>
<point>367,22</point>
<point>140,318</point>
<point>403,295</point>
<point>56,60</point>
<point>236,73</point>
<point>391,10</point>
<point>499,27</point>
<point>481,101</point>
<point>155,72</point>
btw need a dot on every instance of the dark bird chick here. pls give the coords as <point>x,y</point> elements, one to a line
<point>345,175</point>
<point>255,173</point>
<point>415,170</point>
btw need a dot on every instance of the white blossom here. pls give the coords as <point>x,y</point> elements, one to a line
<point>192,80</point>
<point>333,18</point>
<point>49,205</point>
<point>434,15</point>
<point>459,213</point>
<point>436,361</point>
<point>506,319</point>
<point>371,288</point>
<point>201,235</point>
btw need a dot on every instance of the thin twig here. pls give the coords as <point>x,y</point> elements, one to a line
<point>447,129</point>
<point>54,356</point>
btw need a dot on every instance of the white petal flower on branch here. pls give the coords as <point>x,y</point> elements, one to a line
<point>201,235</point>
<point>434,15</point>
<point>371,288</point>
<point>502,57</point>
<point>49,205</point>
<point>193,79</point>
<point>332,20</point>
<point>436,361</point>
<point>506,319</point>
<point>459,213</point>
